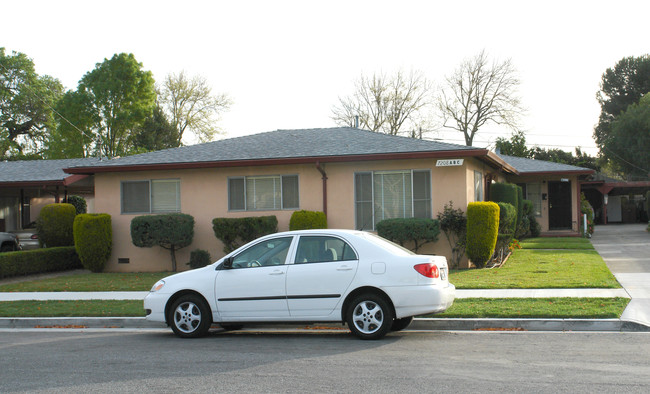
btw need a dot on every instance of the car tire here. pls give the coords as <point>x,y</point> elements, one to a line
<point>369,316</point>
<point>400,324</point>
<point>190,317</point>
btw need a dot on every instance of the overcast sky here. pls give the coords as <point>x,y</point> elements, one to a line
<point>285,63</point>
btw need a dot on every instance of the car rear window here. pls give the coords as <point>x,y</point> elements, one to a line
<point>392,247</point>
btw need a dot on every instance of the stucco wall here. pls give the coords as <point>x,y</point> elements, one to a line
<point>204,195</point>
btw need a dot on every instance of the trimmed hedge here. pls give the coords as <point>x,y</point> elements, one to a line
<point>482,230</point>
<point>306,220</point>
<point>38,261</point>
<point>508,193</point>
<point>236,232</point>
<point>420,231</point>
<point>171,231</point>
<point>93,239</point>
<point>507,214</point>
<point>78,202</point>
<point>199,258</point>
<point>54,225</point>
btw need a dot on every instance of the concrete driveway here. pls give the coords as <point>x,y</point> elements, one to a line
<point>626,250</point>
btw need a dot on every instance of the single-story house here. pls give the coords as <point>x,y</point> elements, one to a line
<point>356,177</point>
<point>26,186</point>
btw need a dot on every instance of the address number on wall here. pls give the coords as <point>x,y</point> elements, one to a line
<point>449,163</point>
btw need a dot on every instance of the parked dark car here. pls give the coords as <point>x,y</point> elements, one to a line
<point>9,242</point>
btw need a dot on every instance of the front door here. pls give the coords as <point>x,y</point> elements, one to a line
<point>559,205</point>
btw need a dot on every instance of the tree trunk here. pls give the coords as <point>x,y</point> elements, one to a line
<point>173,252</point>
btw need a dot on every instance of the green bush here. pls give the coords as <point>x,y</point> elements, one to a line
<point>420,231</point>
<point>482,230</point>
<point>93,239</point>
<point>54,225</point>
<point>454,224</point>
<point>78,202</point>
<point>236,232</point>
<point>305,220</point>
<point>507,214</point>
<point>38,261</point>
<point>509,193</point>
<point>586,209</point>
<point>199,258</point>
<point>171,231</point>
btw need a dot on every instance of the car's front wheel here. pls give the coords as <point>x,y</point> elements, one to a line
<point>369,316</point>
<point>190,317</point>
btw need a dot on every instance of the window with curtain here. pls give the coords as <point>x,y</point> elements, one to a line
<point>478,186</point>
<point>533,192</point>
<point>151,196</point>
<point>263,193</point>
<point>383,195</point>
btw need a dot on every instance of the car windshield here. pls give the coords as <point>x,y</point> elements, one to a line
<point>386,244</point>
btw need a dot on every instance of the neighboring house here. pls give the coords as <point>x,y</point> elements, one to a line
<point>554,189</point>
<point>356,177</point>
<point>26,186</point>
<point>617,201</point>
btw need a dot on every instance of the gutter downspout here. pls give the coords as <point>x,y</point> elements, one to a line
<point>324,178</point>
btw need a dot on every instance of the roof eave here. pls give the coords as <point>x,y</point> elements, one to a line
<point>282,161</point>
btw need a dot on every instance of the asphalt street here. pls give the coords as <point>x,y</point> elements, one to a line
<point>91,361</point>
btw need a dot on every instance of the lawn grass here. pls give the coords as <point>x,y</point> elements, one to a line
<point>90,308</point>
<point>139,281</point>
<point>570,308</point>
<point>556,243</point>
<point>540,269</point>
<point>577,308</point>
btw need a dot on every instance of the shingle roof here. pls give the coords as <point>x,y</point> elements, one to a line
<point>288,144</point>
<point>524,166</point>
<point>39,170</point>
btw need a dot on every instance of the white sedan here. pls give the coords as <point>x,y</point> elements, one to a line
<point>353,277</point>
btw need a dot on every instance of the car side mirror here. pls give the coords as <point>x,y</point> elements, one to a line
<point>227,263</point>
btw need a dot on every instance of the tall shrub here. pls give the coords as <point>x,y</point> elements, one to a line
<point>508,193</point>
<point>482,230</point>
<point>418,231</point>
<point>586,209</point>
<point>235,232</point>
<point>453,224</point>
<point>507,214</point>
<point>78,202</point>
<point>171,231</point>
<point>93,239</point>
<point>305,220</point>
<point>54,225</point>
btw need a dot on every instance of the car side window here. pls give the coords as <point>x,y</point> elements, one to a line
<point>317,249</point>
<point>266,253</point>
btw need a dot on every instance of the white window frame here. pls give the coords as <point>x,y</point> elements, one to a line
<point>277,207</point>
<point>372,223</point>
<point>149,183</point>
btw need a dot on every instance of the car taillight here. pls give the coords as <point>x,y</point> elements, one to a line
<point>430,270</point>
<point>34,236</point>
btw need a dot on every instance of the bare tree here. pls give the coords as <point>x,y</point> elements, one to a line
<point>385,104</point>
<point>191,106</point>
<point>478,93</point>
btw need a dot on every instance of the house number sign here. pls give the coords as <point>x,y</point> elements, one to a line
<point>449,163</point>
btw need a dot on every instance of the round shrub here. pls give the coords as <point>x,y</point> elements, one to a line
<point>93,239</point>
<point>199,258</point>
<point>305,220</point>
<point>171,231</point>
<point>482,230</point>
<point>54,225</point>
<point>78,202</point>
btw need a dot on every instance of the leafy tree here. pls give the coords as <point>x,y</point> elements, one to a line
<point>191,106</point>
<point>118,96</point>
<point>478,93</point>
<point>73,135</point>
<point>516,146</point>
<point>156,133</point>
<point>628,143</point>
<point>620,87</point>
<point>386,104</point>
<point>453,224</point>
<point>171,231</point>
<point>26,101</point>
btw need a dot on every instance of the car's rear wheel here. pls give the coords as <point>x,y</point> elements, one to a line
<point>400,324</point>
<point>190,317</point>
<point>369,316</point>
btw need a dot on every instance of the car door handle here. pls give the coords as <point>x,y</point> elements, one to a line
<point>344,268</point>
<point>277,272</point>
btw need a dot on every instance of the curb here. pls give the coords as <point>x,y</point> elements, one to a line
<point>433,324</point>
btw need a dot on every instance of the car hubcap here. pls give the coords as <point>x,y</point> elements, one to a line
<point>368,317</point>
<point>187,317</point>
